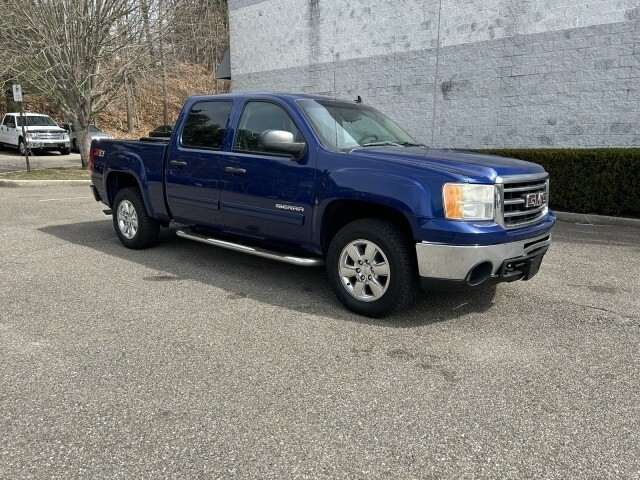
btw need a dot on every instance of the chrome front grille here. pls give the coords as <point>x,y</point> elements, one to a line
<point>49,136</point>
<point>523,199</point>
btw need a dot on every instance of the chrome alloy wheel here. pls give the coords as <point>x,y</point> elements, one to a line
<point>364,270</point>
<point>127,219</point>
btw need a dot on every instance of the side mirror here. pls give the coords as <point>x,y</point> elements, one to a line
<point>280,141</point>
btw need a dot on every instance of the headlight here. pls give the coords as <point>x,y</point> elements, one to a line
<point>466,201</point>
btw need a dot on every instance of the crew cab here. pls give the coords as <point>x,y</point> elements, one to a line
<point>40,132</point>
<point>312,181</point>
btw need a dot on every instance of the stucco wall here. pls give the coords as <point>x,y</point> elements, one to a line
<point>463,73</point>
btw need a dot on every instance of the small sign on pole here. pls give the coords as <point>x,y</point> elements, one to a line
<point>17,93</point>
<point>17,97</point>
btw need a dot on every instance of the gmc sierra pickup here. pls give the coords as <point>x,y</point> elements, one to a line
<point>312,181</point>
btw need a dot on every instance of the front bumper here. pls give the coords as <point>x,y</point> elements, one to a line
<point>48,143</point>
<point>453,267</point>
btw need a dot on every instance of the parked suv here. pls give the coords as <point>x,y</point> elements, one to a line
<point>41,133</point>
<point>94,131</point>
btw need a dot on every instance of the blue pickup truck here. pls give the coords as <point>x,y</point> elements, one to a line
<point>312,181</point>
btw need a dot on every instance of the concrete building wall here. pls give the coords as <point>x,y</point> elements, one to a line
<point>460,73</point>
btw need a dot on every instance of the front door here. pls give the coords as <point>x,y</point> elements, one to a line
<point>194,165</point>
<point>7,130</point>
<point>265,195</point>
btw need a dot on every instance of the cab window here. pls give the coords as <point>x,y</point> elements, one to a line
<point>206,124</point>
<point>258,117</point>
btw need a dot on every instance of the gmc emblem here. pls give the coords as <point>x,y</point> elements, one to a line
<point>535,199</point>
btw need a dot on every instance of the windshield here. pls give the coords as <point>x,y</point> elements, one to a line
<point>94,129</point>
<point>342,125</point>
<point>37,121</point>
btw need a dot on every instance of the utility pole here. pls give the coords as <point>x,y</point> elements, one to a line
<point>165,87</point>
<point>17,97</point>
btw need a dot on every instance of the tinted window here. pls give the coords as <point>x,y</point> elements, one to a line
<point>258,117</point>
<point>206,124</point>
<point>8,120</point>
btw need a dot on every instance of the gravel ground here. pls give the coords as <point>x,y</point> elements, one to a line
<point>186,361</point>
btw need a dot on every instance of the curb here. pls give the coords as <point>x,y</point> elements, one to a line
<point>42,183</point>
<point>580,218</point>
<point>588,219</point>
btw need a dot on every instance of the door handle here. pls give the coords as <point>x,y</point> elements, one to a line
<point>178,163</point>
<point>235,170</point>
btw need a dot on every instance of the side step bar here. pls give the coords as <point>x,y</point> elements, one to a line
<point>259,252</point>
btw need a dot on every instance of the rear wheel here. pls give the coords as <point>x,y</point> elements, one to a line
<point>372,268</point>
<point>133,225</point>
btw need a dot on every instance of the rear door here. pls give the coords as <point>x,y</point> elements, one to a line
<point>194,164</point>
<point>267,195</point>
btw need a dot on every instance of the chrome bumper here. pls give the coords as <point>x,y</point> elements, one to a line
<point>455,262</point>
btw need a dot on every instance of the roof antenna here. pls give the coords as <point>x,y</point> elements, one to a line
<point>359,99</point>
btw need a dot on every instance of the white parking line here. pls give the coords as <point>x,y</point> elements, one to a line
<point>59,199</point>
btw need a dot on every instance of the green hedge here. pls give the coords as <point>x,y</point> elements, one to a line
<point>603,181</point>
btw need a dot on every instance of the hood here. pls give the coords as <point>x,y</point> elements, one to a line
<point>475,167</point>
<point>43,129</point>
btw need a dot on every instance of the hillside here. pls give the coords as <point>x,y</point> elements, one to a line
<point>184,80</point>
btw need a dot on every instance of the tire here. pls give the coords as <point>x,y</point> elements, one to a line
<point>134,227</point>
<point>74,146</point>
<point>65,151</point>
<point>388,265</point>
<point>22,148</point>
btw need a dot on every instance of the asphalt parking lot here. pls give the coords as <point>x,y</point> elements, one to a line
<point>186,361</point>
<point>11,161</point>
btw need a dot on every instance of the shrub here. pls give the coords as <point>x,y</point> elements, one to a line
<point>604,181</point>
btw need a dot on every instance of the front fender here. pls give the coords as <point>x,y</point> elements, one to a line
<point>402,193</point>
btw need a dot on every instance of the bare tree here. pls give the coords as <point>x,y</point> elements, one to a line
<point>74,53</point>
<point>198,31</point>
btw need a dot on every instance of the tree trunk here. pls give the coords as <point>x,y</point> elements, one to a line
<point>127,93</point>
<point>84,143</point>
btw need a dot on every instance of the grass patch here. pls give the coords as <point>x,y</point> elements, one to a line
<point>74,173</point>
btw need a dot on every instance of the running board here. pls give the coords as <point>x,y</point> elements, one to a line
<point>259,252</point>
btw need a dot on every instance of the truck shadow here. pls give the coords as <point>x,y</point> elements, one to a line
<point>240,275</point>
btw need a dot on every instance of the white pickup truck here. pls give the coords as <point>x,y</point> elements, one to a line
<point>41,133</point>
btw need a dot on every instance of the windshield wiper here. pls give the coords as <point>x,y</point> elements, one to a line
<point>386,143</point>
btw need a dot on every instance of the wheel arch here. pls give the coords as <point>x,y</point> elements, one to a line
<point>339,213</point>
<point>116,180</point>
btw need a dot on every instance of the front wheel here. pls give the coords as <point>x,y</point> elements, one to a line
<point>134,227</point>
<point>372,267</point>
<point>22,147</point>
<point>65,151</point>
